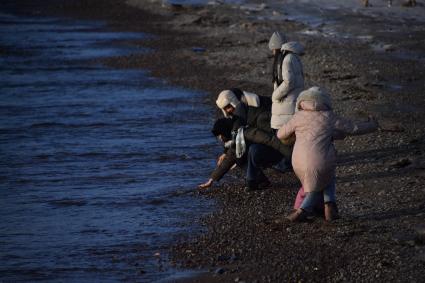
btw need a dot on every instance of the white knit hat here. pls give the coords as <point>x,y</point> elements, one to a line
<point>276,40</point>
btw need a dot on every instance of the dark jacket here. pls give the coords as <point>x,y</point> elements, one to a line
<point>257,117</point>
<point>252,135</point>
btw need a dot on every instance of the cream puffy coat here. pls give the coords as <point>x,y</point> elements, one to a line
<point>315,125</point>
<point>285,95</point>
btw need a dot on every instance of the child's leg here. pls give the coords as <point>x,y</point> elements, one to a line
<point>310,201</point>
<point>331,209</point>
<point>329,193</point>
<point>299,198</point>
<point>300,214</point>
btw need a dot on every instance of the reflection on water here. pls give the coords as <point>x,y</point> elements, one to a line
<point>90,158</point>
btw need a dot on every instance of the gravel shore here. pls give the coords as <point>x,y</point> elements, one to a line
<point>377,70</point>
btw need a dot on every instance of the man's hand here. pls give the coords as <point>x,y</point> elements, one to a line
<point>220,159</point>
<point>206,185</point>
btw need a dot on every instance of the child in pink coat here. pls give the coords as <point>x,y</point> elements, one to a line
<point>314,157</point>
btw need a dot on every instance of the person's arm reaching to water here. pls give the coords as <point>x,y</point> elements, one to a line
<point>228,161</point>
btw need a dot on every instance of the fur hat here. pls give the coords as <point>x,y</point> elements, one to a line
<point>314,99</point>
<point>225,98</point>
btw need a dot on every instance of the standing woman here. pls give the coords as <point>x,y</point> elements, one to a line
<point>288,82</point>
<point>288,78</point>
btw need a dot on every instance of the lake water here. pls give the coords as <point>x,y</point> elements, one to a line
<point>96,164</point>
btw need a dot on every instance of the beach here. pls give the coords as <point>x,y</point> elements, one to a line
<point>371,60</point>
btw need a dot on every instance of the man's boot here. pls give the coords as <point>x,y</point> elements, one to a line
<point>251,186</point>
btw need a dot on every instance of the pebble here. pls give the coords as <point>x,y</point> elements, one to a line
<point>420,235</point>
<point>198,49</point>
<point>388,47</point>
<point>222,258</point>
<point>219,271</point>
<point>401,163</point>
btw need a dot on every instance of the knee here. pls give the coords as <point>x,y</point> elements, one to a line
<point>253,149</point>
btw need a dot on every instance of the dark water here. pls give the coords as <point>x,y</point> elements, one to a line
<point>95,163</point>
<point>203,2</point>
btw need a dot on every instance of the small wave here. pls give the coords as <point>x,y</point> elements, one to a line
<point>117,176</point>
<point>10,257</point>
<point>138,201</point>
<point>88,154</point>
<point>93,231</point>
<point>166,158</point>
<point>185,192</point>
<point>157,201</point>
<point>61,125</point>
<point>94,154</point>
<point>67,202</point>
<point>170,157</point>
<point>42,157</point>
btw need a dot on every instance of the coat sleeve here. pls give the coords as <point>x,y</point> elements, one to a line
<point>227,163</point>
<point>345,127</point>
<point>288,76</point>
<point>255,135</point>
<point>288,129</point>
<point>263,121</point>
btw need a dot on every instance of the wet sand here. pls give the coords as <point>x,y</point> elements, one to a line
<point>380,177</point>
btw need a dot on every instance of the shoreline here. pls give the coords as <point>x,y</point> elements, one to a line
<point>380,177</point>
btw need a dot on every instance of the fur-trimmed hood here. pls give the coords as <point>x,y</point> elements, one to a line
<point>294,47</point>
<point>314,99</point>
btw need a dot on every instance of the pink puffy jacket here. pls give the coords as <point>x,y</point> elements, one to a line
<point>315,125</point>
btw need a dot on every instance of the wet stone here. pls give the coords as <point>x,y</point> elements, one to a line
<point>198,49</point>
<point>388,47</point>
<point>404,162</point>
<point>420,235</point>
<point>223,258</point>
<point>420,255</point>
<point>402,238</point>
<point>219,271</point>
